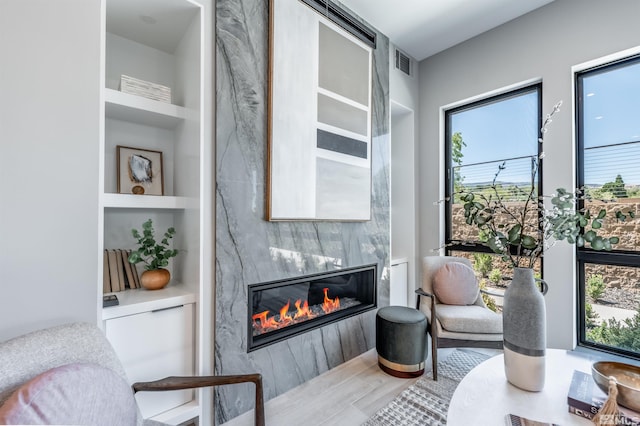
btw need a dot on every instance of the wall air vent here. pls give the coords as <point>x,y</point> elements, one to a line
<point>403,62</point>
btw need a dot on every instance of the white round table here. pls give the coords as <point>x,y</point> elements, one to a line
<point>484,397</point>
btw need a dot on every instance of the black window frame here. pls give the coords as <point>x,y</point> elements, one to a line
<point>587,255</point>
<point>469,247</point>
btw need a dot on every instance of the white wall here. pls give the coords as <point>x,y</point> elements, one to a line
<point>403,93</point>
<point>49,111</point>
<point>403,89</point>
<point>543,44</point>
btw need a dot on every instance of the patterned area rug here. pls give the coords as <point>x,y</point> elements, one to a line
<point>426,402</point>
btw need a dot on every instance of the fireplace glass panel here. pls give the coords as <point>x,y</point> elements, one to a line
<point>281,309</point>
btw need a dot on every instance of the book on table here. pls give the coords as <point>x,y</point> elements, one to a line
<point>585,399</point>
<point>516,420</point>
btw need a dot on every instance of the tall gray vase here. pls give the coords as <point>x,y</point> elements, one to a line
<point>525,332</point>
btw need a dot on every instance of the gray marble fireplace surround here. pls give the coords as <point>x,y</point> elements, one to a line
<point>250,249</point>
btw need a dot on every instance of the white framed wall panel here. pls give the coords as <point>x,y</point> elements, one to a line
<point>320,118</point>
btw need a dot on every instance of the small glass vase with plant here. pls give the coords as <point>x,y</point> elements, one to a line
<point>154,254</point>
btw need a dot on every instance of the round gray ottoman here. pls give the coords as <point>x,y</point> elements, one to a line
<point>401,341</point>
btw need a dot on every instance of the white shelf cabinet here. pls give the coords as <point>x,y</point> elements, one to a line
<point>130,201</point>
<point>153,345</point>
<point>126,107</point>
<point>168,42</point>
<point>133,302</point>
<point>399,289</point>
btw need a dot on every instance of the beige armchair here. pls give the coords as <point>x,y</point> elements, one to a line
<point>462,325</point>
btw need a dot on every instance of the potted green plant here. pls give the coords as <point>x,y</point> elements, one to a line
<point>154,254</point>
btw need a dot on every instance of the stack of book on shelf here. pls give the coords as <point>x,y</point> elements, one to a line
<point>585,400</point>
<point>118,273</point>
<point>135,86</point>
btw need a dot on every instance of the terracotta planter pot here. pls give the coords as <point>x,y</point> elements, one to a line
<point>155,279</point>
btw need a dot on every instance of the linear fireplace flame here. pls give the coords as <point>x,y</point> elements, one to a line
<point>318,300</point>
<point>263,323</point>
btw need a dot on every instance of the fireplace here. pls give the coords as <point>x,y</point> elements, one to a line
<point>284,308</point>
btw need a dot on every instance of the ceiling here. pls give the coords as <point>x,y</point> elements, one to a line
<point>422,28</point>
<point>156,23</point>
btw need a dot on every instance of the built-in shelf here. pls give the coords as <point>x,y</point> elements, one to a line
<point>137,109</point>
<point>131,201</point>
<point>133,302</point>
<point>174,52</point>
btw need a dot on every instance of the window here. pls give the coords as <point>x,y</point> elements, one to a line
<point>495,138</point>
<point>608,150</point>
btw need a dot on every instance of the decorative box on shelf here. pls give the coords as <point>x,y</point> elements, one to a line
<point>135,86</point>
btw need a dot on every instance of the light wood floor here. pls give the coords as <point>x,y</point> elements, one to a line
<point>344,396</point>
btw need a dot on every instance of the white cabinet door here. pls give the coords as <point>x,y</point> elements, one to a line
<point>398,292</point>
<point>153,345</point>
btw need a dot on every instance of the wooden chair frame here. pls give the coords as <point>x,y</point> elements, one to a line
<point>180,383</point>
<point>439,342</point>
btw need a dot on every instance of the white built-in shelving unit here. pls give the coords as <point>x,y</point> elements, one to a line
<point>163,332</point>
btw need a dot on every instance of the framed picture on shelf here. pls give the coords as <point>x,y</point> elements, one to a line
<point>139,171</point>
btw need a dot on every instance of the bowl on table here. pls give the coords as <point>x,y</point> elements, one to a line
<point>627,376</point>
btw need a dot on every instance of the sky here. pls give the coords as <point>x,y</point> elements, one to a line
<point>508,129</point>
<point>612,116</point>
<point>498,131</point>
